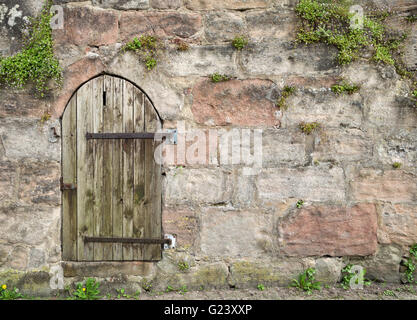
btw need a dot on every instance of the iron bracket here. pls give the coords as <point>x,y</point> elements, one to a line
<point>66,186</point>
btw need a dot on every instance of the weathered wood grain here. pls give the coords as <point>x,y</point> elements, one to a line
<point>69,174</point>
<point>117,168</point>
<point>128,172</point>
<point>98,163</point>
<point>119,183</point>
<point>106,228</point>
<point>85,197</point>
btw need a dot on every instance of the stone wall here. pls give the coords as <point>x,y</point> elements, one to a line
<point>232,229</point>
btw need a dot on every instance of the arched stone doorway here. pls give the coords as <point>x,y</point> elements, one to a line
<point>111,185</point>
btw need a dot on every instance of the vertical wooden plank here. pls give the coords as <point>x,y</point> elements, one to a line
<point>128,167</point>
<point>106,229</point>
<point>98,162</point>
<point>117,168</point>
<point>139,223</point>
<point>69,175</point>
<point>85,197</point>
<point>152,187</point>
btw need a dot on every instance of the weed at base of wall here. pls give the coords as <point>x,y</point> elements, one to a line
<point>306,281</point>
<point>410,265</point>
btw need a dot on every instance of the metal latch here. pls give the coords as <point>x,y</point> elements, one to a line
<point>66,186</point>
<point>172,243</point>
<point>170,136</point>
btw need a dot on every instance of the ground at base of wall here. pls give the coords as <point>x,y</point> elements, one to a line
<point>372,292</point>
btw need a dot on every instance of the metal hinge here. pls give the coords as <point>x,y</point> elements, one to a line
<point>127,240</point>
<point>171,135</point>
<point>66,186</point>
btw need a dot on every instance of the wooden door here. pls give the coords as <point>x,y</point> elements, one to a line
<point>111,187</point>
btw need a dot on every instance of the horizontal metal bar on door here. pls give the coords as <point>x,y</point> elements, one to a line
<point>137,135</point>
<point>127,240</point>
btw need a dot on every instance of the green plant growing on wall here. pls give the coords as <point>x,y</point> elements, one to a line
<point>217,77</point>
<point>147,47</point>
<point>287,91</point>
<point>86,291</point>
<point>261,287</point>
<point>45,117</point>
<point>146,285</point>
<point>7,294</point>
<point>348,274</point>
<point>410,264</point>
<point>183,290</point>
<point>412,18</point>
<point>299,204</point>
<point>239,42</point>
<point>345,87</point>
<point>329,22</point>
<point>396,165</point>
<point>308,127</point>
<point>307,281</point>
<point>181,45</point>
<point>121,293</point>
<point>35,63</point>
<point>183,266</point>
<point>414,92</point>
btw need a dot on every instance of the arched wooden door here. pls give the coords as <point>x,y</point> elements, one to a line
<point>111,185</point>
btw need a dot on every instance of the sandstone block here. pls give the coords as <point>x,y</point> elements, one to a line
<point>383,266</point>
<point>235,102</point>
<point>279,23</point>
<point>162,24</point>
<point>278,57</point>
<point>30,138</point>
<point>166,4</point>
<point>283,146</point>
<point>222,26</point>
<point>202,61</point>
<point>248,273</point>
<point>29,226</point>
<point>328,270</point>
<point>187,186</point>
<point>8,181</point>
<point>304,183</point>
<point>225,4</point>
<point>324,107</point>
<point>383,106</point>
<point>18,258</point>
<point>18,104</point>
<point>343,145</point>
<point>234,233</point>
<point>330,231</point>
<point>391,185</point>
<point>122,4</point>
<point>399,224</point>
<point>397,145</point>
<point>39,183</point>
<point>87,26</point>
